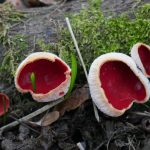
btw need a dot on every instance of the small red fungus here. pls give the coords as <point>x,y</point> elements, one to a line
<point>51,73</point>
<point>115,83</point>
<point>120,84</point>
<point>141,54</point>
<point>4,104</point>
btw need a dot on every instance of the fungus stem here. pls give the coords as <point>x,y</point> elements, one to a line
<point>73,74</point>
<point>33,81</point>
<point>4,105</point>
<point>82,62</point>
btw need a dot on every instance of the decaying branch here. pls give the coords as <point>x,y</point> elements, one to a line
<point>33,114</point>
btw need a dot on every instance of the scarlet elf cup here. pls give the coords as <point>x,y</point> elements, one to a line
<point>115,83</point>
<point>140,52</point>
<point>4,103</point>
<point>52,76</point>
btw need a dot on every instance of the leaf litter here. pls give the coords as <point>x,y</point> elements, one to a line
<point>79,125</point>
<point>77,98</point>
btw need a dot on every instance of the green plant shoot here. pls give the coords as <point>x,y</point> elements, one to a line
<point>73,74</point>
<point>33,81</point>
<point>4,105</point>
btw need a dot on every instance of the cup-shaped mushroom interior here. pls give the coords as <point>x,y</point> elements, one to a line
<point>4,104</point>
<point>144,54</point>
<point>48,75</point>
<point>120,84</point>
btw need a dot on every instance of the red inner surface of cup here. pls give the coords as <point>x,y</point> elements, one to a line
<point>144,54</point>
<point>120,84</point>
<point>4,102</point>
<point>48,75</point>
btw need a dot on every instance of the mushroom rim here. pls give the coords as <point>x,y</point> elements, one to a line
<point>96,84</point>
<point>34,57</point>
<point>136,57</point>
<point>8,103</point>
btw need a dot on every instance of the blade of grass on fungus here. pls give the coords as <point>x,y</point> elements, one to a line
<point>82,62</point>
<point>33,81</point>
<point>73,74</point>
<point>4,106</point>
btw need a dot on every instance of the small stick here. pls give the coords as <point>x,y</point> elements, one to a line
<point>24,124</point>
<point>82,62</point>
<point>76,46</point>
<point>33,114</point>
<point>80,146</point>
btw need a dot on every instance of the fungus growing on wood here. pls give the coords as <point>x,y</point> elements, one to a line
<point>115,83</point>
<point>4,103</point>
<point>141,54</point>
<point>51,74</point>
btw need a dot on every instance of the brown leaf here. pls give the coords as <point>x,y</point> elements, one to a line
<point>20,4</point>
<point>48,119</point>
<point>31,3</point>
<point>78,97</point>
<point>48,2</point>
<point>16,3</point>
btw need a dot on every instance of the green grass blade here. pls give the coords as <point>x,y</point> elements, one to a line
<point>33,81</point>
<point>73,74</point>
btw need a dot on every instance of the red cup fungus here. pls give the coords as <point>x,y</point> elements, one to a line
<point>4,103</point>
<point>141,54</point>
<point>52,76</point>
<point>115,83</point>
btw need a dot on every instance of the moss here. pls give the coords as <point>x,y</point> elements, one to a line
<point>12,46</point>
<point>43,45</point>
<point>8,16</point>
<point>97,34</point>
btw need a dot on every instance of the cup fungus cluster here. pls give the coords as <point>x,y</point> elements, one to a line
<point>115,81</point>
<point>4,103</point>
<point>52,76</point>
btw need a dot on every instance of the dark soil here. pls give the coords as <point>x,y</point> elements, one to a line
<point>129,132</point>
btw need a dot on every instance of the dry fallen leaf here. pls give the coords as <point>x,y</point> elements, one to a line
<point>46,120</point>
<point>50,118</point>
<point>78,97</point>
<point>48,2</point>
<point>18,4</point>
<point>32,3</point>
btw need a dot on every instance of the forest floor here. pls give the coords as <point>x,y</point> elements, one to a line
<point>128,132</point>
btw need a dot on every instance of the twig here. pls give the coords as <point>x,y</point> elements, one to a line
<point>131,144</point>
<point>76,46</point>
<point>100,145</point>
<point>80,146</point>
<point>82,62</point>
<point>109,140</point>
<point>59,5</point>
<point>141,113</point>
<point>33,114</point>
<point>24,124</point>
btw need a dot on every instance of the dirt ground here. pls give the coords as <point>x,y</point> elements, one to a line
<point>129,132</point>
